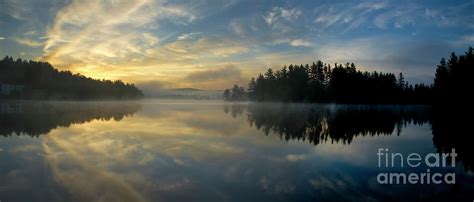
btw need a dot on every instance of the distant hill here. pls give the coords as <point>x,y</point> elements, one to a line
<point>181,93</point>
<point>192,93</point>
<point>21,79</point>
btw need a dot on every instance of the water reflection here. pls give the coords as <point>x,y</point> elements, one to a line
<point>335,123</point>
<point>452,128</point>
<point>37,118</point>
<point>194,151</point>
<point>342,123</point>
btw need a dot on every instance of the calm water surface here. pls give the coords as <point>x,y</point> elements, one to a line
<point>179,150</point>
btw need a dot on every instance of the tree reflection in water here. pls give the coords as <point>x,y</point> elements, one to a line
<point>334,123</point>
<point>38,118</point>
<point>342,123</point>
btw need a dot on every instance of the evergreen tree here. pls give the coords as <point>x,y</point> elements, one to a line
<point>401,81</point>
<point>452,82</point>
<point>227,95</point>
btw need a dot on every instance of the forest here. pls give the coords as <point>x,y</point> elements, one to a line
<point>322,82</point>
<point>22,79</point>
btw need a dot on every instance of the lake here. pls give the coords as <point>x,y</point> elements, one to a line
<point>186,150</point>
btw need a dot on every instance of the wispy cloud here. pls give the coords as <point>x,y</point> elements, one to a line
<point>191,35</point>
<point>228,72</point>
<point>28,42</point>
<point>19,10</point>
<point>1,37</point>
<point>278,13</point>
<point>150,39</point>
<point>384,15</point>
<point>218,78</point>
<point>238,27</point>
<point>469,38</point>
<point>30,33</point>
<point>398,18</point>
<point>347,15</point>
<point>301,42</point>
<point>204,47</point>
<point>293,42</point>
<point>107,33</point>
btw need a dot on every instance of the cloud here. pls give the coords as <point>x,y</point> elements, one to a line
<point>191,35</point>
<point>454,16</point>
<point>1,37</point>
<point>371,6</point>
<point>293,42</point>
<point>124,40</point>
<point>108,33</point>
<point>28,42</point>
<point>154,87</point>
<point>301,42</point>
<point>150,39</point>
<point>469,38</point>
<point>281,13</point>
<point>19,10</point>
<point>229,72</point>
<point>202,49</point>
<point>269,17</point>
<point>290,14</point>
<point>386,15</point>
<point>348,16</point>
<point>279,25</point>
<point>29,33</point>
<point>398,18</point>
<point>430,13</point>
<point>238,27</point>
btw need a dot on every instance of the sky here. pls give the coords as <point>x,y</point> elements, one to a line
<point>212,44</point>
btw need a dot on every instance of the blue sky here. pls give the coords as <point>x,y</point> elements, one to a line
<point>212,44</point>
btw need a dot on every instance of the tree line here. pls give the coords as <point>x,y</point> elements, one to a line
<point>322,82</point>
<point>22,79</point>
<point>452,81</point>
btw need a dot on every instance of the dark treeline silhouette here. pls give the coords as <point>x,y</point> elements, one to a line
<point>453,82</point>
<point>37,118</point>
<point>321,82</point>
<point>319,124</point>
<point>453,89</point>
<point>21,79</point>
